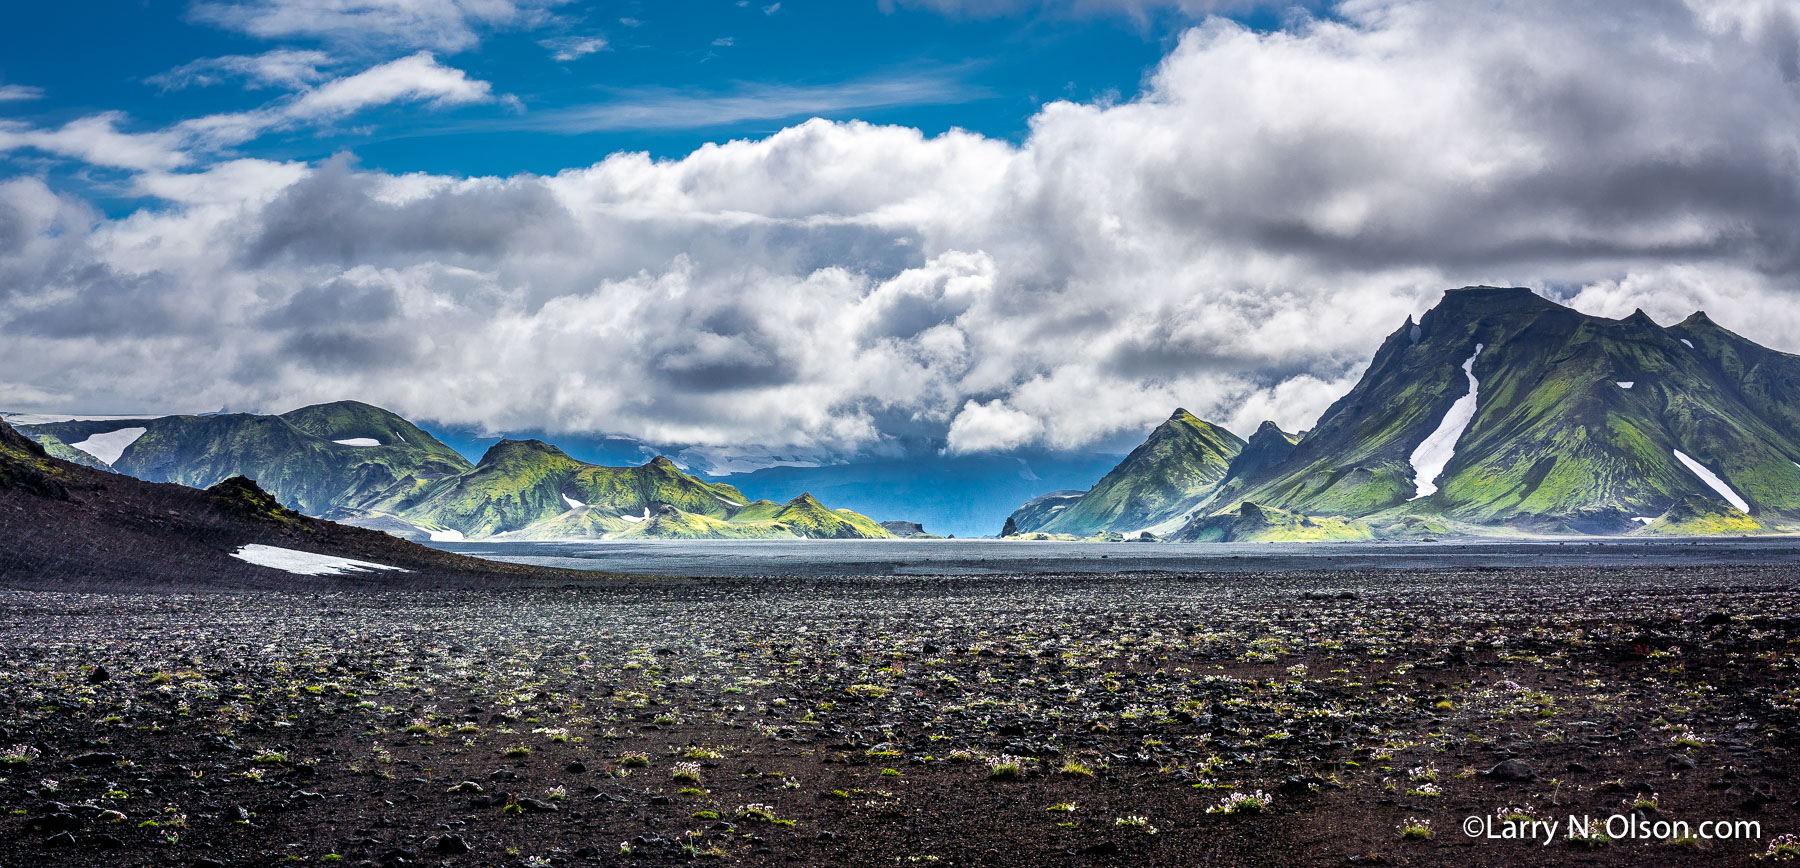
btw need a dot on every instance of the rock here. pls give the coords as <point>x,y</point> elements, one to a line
<point>1511,770</point>
<point>538,806</point>
<point>61,839</point>
<point>1679,762</point>
<point>453,845</point>
<point>398,858</point>
<point>98,675</point>
<point>61,821</point>
<point>1715,619</point>
<point>1103,848</point>
<point>575,767</point>
<point>92,760</point>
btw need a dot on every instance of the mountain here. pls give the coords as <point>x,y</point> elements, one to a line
<point>71,526</point>
<point>326,459</point>
<point>1154,488</point>
<point>1502,408</point>
<point>1695,515</point>
<point>1252,523</point>
<point>530,490</point>
<point>1498,411</point>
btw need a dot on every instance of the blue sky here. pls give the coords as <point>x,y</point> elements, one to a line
<point>588,79</point>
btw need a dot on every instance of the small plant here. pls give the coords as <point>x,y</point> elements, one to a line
<point>1785,848</point>
<point>1415,829</point>
<point>1242,803</point>
<point>685,771</point>
<point>890,773</point>
<point>269,757</point>
<point>1005,766</point>
<point>634,760</point>
<point>1425,791</point>
<point>1135,821</point>
<point>756,813</point>
<point>1642,802</point>
<point>1062,808</point>
<point>518,750</point>
<point>702,753</point>
<point>558,793</point>
<point>418,727</point>
<point>1075,769</point>
<point>19,754</point>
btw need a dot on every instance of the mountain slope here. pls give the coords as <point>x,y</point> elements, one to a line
<point>70,526</point>
<point>294,456</point>
<point>1575,423</point>
<point>530,490</point>
<point>1174,469</point>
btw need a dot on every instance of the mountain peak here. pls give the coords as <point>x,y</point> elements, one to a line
<point>662,463</point>
<point>518,449</point>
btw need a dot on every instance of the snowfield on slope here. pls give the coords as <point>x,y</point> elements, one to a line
<point>305,563</point>
<point>572,502</point>
<point>1434,454</point>
<point>1712,480</point>
<point>358,441</point>
<point>634,519</point>
<point>109,446</point>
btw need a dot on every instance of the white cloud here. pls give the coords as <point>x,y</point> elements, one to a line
<point>566,48</point>
<point>418,78</point>
<point>1236,240</point>
<point>992,427</point>
<point>20,93</point>
<point>443,25</point>
<point>97,139</point>
<point>285,68</point>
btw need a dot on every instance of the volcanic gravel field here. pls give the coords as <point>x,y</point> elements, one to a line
<point>1140,719</point>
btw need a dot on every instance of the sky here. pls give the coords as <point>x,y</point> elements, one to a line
<point>841,228</point>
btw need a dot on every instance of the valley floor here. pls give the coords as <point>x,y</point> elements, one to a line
<point>989,720</point>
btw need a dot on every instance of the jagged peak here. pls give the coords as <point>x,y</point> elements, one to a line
<point>1182,415</point>
<point>806,499</point>
<point>1639,317</point>
<point>662,463</point>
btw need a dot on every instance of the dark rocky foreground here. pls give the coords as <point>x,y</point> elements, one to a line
<point>768,721</point>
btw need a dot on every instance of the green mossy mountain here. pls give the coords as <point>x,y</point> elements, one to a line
<point>1153,489</point>
<point>530,490</point>
<point>292,456</point>
<point>1694,515</point>
<point>1576,424</point>
<point>1253,523</point>
<point>366,466</point>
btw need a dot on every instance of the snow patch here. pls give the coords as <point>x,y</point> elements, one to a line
<point>1625,384</point>
<point>572,502</point>
<point>304,563</point>
<point>109,446</point>
<point>1642,519</point>
<point>1712,480</point>
<point>634,519</point>
<point>1434,454</point>
<point>358,441</point>
<point>1690,344</point>
<point>446,536</point>
<point>727,501</point>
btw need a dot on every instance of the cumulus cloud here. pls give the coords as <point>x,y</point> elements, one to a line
<point>1234,240</point>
